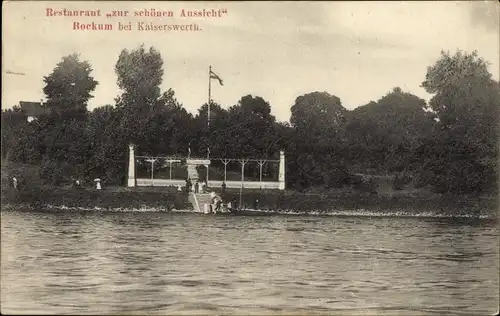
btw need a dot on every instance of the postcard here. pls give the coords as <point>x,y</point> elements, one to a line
<point>235,157</point>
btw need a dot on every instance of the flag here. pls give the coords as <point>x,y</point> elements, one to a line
<point>214,76</point>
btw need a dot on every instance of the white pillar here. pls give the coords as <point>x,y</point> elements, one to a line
<point>282,171</point>
<point>131,166</point>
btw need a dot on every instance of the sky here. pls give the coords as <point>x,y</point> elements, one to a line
<point>357,51</point>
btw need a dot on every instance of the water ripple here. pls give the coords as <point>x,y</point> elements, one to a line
<point>150,262</point>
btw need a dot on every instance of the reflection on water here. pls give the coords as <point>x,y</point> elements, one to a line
<point>193,264</point>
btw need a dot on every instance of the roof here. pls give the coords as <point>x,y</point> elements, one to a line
<point>32,108</point>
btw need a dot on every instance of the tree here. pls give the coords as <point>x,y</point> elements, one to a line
<point>68,88</point>
<point>169,126</point>
<point>383,134</point>
<point>467,102</point>
<point>316,156</point>
<point>446,164</point>
<point>217,136</point>
<point>13,127</point>
<point>107,149</point>
<point>63,147</point>
<point>463,89</point>
<point>318,117</point>
<point>252,128</point>
<point>139,77</point>
<point>62,144</point>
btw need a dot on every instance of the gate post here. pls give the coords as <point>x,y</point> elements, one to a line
<point>281,177</point>
<point>131,166</point>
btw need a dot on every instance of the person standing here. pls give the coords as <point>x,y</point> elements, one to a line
<point>14,183</point>
<point>98,184</point>
<point>223,189</point>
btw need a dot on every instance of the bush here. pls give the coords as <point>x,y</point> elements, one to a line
<point>400,181</point>
<point>27,175</point>
<point>56,172</point>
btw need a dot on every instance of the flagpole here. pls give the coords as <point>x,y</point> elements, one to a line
<point>209,93</point>
<point>208,115</point>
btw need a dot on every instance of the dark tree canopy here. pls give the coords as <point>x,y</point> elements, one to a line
<point>317,110</point>
<point>139,73</point>
<point>467,102</point>
<point>448,145</point>
<point>381,134</point>
<point>462,88</point>
<point>68,88</point>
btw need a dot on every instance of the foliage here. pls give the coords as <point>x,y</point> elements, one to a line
<point>56,140</point>
<point>448,145</point>
<point>383,134</point>
<point>107,147</point>
<point>18,137</point>
<point>316,142</point>
<point>400,180</point>
<point>139,75</point>
<point>318,116</point>
<point>68,88</point>
<point>462,157</point>
<point>450,165</point>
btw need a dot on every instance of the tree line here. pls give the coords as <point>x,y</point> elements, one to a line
<point>448,145</point>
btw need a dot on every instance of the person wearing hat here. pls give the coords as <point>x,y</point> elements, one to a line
<point>98,184</point>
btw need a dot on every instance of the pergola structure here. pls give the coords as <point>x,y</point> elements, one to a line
<point>167,159</point>
<point>206,162</point>
<point>243,162</point>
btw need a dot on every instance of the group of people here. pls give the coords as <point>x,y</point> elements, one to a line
<point>215,202</point>
<point>196,187</point>
<point>201,187</point>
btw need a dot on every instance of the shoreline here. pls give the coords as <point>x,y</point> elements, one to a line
<point>292,203</point>
<point>332,213</point>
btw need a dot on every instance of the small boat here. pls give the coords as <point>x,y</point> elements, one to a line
<point>249,212</point>
<point>225,210</point>
<point>228,209</point>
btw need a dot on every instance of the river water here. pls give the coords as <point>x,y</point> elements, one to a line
<point>159,263</point>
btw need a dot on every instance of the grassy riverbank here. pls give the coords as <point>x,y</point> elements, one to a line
<point>109,198</point>
<point>33,193</point>
<point>162,198</point>
<point>408,202</point>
